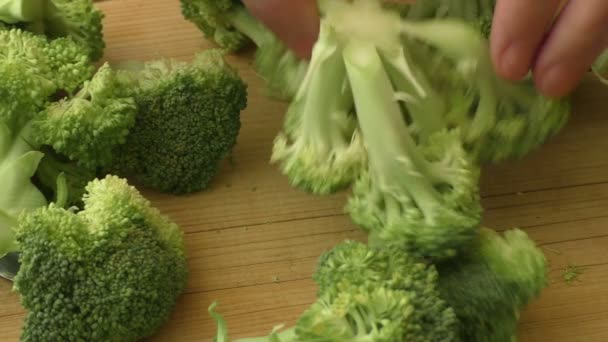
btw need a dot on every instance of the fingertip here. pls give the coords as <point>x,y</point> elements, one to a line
<point>556,81</point>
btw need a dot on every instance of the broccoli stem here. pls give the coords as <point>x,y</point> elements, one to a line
<point>247,24</point>
<point>323,112</point>
<point>393,155</point>
<point>426,107</point>
<point>600,67</point>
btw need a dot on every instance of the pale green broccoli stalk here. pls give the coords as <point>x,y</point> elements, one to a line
<point>319,149</point>
<point>368,295</point>
<point>187,122</point>
<point>52,167</point>
<point>77,19</point>
<point>13,12</point>
<point>422,195</point>
<point>18,163</point>
<point>492,282</point>
<point>229,24</point>
<point>88,126</point>
<point>111,272</point>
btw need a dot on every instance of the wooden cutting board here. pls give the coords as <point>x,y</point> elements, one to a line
<point>253,240</point>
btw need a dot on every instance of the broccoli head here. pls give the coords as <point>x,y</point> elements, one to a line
<point>319,149</point>
<point>111,272</point>
<point>492,282</point>
<point>77,19</point>
<point>32,69</point>
<point>368,295</point>
<point>187,122</point>
<point>88,126</point>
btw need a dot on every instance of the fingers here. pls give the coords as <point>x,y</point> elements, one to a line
<point>579,36</point>
<point>295,22</point>
<point>518,30</point>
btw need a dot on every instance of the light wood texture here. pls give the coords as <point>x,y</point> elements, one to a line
<point>253,241</point>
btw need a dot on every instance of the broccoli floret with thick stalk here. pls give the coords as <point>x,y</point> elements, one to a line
<point>88,126</point>
<point>187,122</point>
<point>368,295</point>
<point>492,282</point>
<point>111,272</point>
<point>319,149</point>
<point>79,20</point>
<point>231,26</point>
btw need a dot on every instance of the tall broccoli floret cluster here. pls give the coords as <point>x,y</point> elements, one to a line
<point>79,20</point>
<point>111,272</point>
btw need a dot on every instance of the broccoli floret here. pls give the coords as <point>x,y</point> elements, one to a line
<point>492,282</point>
<point>79,20</point>
<point>32,69</point>
<point>368,295</point>
<point>390,267</point>
<point>187,122</point>
<point>111,272</point>
<point>87,127</point>
<point>232,27</point>
<point>319,149</point>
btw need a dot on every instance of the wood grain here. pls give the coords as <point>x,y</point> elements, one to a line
<point>253,241</point>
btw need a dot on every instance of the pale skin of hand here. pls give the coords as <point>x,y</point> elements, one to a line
<point>557,40</point>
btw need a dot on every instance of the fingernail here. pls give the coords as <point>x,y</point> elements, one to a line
<point>514,62</point>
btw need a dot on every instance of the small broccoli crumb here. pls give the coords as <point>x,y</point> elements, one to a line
<point>572,274</point>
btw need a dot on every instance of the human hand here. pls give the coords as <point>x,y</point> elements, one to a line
<point>526,37</point>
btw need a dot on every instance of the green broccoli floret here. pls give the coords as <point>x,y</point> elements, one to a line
<point>79,20</point>
<point>492,282</point>
<point>368,295</point>
<point>232,27</point>
<point>111,272</point>
<point>319,149</point>
<point>88,126</point>
<point>187,122</point>
<point>32,69</point>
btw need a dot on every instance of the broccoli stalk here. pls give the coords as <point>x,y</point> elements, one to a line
<point>320,150</point>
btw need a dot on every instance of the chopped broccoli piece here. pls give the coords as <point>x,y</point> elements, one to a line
<point>111,272</point>
<point>87,127</point>
<point>187,122</point>
<point>368,295</point>
<point>492,282</point>
<point>77,19</point>
<point>600,67</point>
<point>232,27</point>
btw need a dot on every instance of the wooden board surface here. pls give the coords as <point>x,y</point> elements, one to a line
<point>253,241</point>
